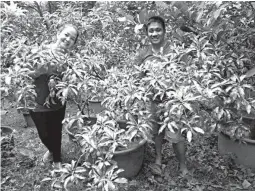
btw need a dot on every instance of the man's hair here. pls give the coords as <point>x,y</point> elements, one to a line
<point>69,25</point>
<point>157,19</point>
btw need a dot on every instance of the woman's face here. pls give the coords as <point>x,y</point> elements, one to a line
<point>66,38</point>
<point>156,33</point>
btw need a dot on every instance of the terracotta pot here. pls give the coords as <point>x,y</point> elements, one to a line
<point>6,130</point>
<point>243,150</point>
<point>95,107</point>
<point>130,160</point>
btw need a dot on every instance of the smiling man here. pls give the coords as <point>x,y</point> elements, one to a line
<point>156,31</point>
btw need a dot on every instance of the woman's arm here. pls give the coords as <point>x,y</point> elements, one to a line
<point>36,73</point>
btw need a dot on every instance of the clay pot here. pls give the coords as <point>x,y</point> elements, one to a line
<point>243,149</point>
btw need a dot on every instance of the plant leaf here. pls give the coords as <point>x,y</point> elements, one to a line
<point>8,80</point>
<point>199,130</point>
<point>138,27</point>
<point>46,179</point>
<point>189,136</point>
<point>121,180</point>
<point>122,19</point>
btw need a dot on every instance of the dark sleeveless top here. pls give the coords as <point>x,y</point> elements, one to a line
<point>46,57</point>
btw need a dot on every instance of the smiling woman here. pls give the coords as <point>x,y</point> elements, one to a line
<point>66,38</point>
<point>48,65</point>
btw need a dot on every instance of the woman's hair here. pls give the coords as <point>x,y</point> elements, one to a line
<point>157,19</point>
<point>69,25</point>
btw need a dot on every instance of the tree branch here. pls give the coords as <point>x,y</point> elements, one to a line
<point>39,10</point>
<point>49,7</point>
<point>97,75</point>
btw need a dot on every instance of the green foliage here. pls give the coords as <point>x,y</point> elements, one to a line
<point>98,143</point>
<point>205,84</point>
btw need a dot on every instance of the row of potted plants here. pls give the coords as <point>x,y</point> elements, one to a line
<point>195,97</point>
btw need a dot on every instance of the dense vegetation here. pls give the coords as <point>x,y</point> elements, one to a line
<point>208,86</point>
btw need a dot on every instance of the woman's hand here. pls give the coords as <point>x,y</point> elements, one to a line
<point>40,71</point>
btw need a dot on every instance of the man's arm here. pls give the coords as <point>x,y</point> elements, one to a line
<point>140,58</point>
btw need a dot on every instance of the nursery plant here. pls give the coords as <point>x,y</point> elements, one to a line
<point>203,85</point>
<point>98,141</point>
<point>224,61</point>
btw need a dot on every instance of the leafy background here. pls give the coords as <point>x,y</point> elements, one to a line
<point>111,33</point>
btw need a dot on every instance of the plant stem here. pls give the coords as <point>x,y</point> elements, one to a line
<point>39,10</point>
<point>97,75</point>
<point>78,160</point>
<point>79,107</point>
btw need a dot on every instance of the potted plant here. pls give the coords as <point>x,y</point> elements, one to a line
<point>97,95</point>
<point>83,84</point>
<point>236,120</point>
<point>110,151</point>
<point>15,83</point>
<point>227,90</point>
<point>122,115</point>
<point>214,95</point>
<point>205,86</point>
<point>229,68</point>
<point>116,139</point>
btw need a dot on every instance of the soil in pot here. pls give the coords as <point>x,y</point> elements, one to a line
<point>71,131</point>
<point>250,121</point>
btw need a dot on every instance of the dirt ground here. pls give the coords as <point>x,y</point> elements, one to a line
<point>23,170</point>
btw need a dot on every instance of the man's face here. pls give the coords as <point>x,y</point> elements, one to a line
<point>156,33</point>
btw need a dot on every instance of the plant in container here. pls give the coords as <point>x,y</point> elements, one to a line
<point>83,85</point>
<point>229,80</point>
<point>234,116</point>
<point>204,84</point>
<point>219,75</point>
<point>110,150</point>
<point>15,82</point>
<point>124,114</point>
<point>97,94</point>
<point>209,91</point>
<point>172,81</point>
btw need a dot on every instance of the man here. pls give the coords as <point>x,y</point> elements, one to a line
<point>155,30</point>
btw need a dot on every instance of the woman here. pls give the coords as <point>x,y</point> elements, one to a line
<point>49,111</point>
